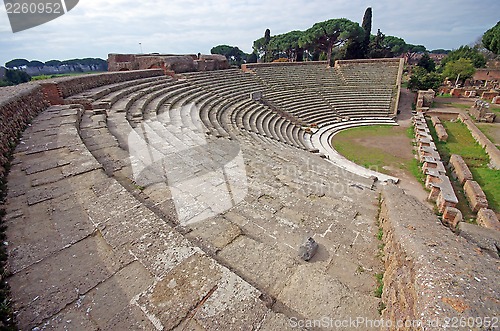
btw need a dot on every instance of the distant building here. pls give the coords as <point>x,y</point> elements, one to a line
<point>168,62</point>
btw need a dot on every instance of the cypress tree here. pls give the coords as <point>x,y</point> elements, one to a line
<point>367,26</point>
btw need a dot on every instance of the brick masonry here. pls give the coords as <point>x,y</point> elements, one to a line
<point>460,169</point>
<point>475,195</point>
<point>488,219</point>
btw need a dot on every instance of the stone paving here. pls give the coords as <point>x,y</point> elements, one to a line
<point>92,248</point>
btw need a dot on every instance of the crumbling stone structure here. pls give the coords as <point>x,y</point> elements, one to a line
<point>488,219</point>
<point>451,217</point>
<point>417,278</point>
<point>475,195</point>
<point>460,170</point>
<point>441,190</point>
<point>440,130</point>
<point>167,62</point>
<point>424,100</point>
<point>481,111</point>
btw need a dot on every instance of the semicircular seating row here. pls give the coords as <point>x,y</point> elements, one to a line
<point>220,102</point>
<point>223,109</point>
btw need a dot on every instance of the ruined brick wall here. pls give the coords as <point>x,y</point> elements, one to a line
<point>167,62</point>
<point>475,195</point>
<point>488,219</point>
<point>429,271</point>
<point>18,106</point>
<point>399,294</point>
<point>490,148</point>
<point>460,169</point>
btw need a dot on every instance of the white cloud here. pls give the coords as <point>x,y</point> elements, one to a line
<point>95,28</point>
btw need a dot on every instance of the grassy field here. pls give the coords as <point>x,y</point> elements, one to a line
<point>461,142</point>
<point>42,77</point>
<point>491,130</point>
<point>375,157</point>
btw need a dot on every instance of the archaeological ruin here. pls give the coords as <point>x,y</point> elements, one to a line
<point>175,193</point>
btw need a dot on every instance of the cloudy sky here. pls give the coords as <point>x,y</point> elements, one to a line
<point>95,28</point>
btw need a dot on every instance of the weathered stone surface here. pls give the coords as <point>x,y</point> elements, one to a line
<point>452,216</point>
<point>215,233</point>
<point>161,250</point>
<point>188,286</point>
<point>60,279</point>
<point>308,248</point>
<point>59,222</point>
<point>484,238</point>
<point>251,258</point>
<point>317,295</point>
<point>488,219</point>
<point>422,282</point>
<point>475,195</point>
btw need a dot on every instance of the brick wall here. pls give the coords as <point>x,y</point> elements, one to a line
<point>475,195</point>
<point>18,106</point>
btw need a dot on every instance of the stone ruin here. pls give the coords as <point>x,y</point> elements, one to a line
<point>481,111</point>
<point>488,219</point>
<point>168,62</point>
<point>475,195</point>
<point>440,130</point>
<point>459,168</point>
<point>424,100</point>
<point>441,190</point>
<point>451,217</point>
<point>237,270</point>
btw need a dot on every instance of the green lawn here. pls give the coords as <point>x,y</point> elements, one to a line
<point>372,157</point>
<point>491,131</point>
<point>461,142</point>
<point>42,77</point>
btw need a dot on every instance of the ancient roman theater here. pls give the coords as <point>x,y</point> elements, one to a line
<point>180,195</point>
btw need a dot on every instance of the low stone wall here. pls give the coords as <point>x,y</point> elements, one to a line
<point>18,106</point>
<point>460,169</point>
<point>475,195</point>
<point>68,86</point>
<point>488,219</point>
<point>489,147</point>
<point>431,274</point>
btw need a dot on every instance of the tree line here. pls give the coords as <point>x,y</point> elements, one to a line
<point>23,63</point>
<point>458,65</point>
<point>17,70</point>
<point>329,40</point>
